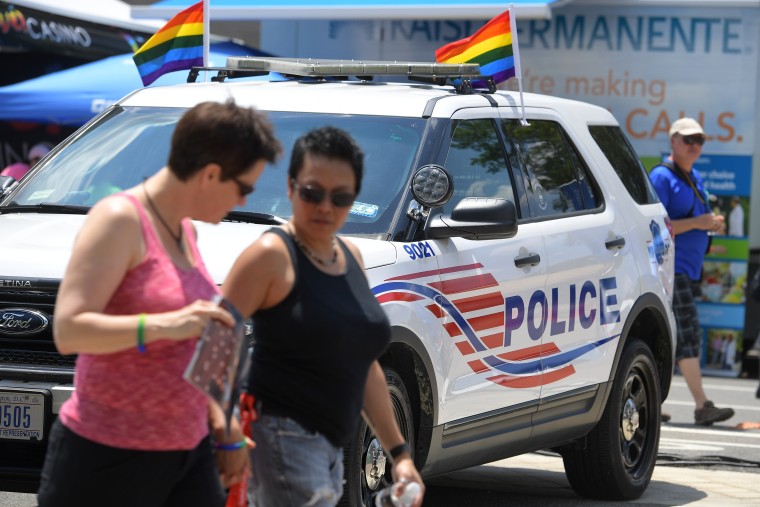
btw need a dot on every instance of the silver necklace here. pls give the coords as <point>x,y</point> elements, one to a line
<point>311,255</point>
<point>176,237</point>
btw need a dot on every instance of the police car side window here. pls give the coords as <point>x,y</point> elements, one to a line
<point>625,162</point>
<point>476,162</point>
<point>556,179</point>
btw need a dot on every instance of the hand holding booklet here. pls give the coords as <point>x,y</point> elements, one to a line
<point>220,360</point>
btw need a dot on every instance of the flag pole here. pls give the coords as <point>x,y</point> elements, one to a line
<point>206,32</point>
<point>518,69</point>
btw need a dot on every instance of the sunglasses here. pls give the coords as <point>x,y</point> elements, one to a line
<point>689,140</point>
<point>243,188</point>
<point>315,195</point>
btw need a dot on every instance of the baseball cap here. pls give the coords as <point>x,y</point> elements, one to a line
<point>39,150</point>
<point>686,127</point>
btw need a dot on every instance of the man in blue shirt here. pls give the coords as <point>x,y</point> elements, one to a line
<point>682,192</point>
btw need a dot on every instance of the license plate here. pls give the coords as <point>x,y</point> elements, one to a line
<point>22,415</point>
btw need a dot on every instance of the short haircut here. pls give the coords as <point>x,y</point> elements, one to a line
<point>329,142</point>
<point>224,133</point>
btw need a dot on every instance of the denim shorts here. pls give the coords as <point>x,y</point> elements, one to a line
<point>689,333</point>
<point>292,466</point>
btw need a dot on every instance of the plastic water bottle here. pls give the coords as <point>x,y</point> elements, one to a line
<point>388,496</point>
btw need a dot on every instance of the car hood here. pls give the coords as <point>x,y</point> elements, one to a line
<point>37,245</point>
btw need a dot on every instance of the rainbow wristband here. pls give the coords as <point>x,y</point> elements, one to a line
<point>141,333</point>
<point>234,446</point>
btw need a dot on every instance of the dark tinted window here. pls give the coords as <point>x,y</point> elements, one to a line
<point>556,178</point>
<point>627,165</point>
<point>476,162</point>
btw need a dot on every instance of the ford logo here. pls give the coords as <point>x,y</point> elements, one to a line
<point>22,321</point>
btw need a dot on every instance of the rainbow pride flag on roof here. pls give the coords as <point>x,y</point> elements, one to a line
<point>176,46</point>
<point>494,47</point>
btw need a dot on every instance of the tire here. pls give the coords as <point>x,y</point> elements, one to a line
<point>366,468</point>
<point>620,453</point>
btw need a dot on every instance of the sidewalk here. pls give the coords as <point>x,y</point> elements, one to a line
<point>536,479</point>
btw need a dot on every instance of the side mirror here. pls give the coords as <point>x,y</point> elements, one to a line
<point>476,218</point>
<point>6,184</point>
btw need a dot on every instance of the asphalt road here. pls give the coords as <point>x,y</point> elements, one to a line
<point>697,466</point>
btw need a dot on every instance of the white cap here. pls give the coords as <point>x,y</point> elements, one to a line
<point>39,150</point>
<point>686,127</point>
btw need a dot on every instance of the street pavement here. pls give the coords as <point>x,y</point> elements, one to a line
<point>539,480</point>
<point>697,466</point>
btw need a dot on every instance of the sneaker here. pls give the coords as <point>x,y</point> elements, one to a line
<point>664,417</point>
<point>709,414</point>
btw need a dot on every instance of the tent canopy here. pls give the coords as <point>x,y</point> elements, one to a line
<point>239,10</point>
<point>73,96</point>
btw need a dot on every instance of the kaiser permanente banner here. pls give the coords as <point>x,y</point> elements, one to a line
<point>648,66</point>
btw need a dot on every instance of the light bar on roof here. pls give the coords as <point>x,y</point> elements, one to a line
<point>309,67</point>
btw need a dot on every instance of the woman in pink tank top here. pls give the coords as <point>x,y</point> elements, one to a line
<point>134,299</point>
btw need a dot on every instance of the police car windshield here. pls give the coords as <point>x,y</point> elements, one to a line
<point>129,144</point>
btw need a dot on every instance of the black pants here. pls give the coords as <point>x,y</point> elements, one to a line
<point>82,473</point>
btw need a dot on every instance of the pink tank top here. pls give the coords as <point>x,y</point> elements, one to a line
<point>140,401</point>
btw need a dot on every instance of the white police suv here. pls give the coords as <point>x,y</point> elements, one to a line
<point>526,266</point>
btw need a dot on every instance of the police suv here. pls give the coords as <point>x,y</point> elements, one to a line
<point>517,246</point>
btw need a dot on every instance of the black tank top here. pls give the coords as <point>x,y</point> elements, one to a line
<point>313,350</point>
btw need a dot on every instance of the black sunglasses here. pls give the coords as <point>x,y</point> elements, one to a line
<point>689,140</point>
<point>244,188</point>
<point>317,195</point>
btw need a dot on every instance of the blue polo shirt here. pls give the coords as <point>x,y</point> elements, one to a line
<point>681,201</point>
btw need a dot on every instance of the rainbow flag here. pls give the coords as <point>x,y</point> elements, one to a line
<point>494,47</point>
<point>176,46</point>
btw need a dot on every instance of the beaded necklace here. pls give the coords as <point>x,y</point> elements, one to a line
<point>311,255</point>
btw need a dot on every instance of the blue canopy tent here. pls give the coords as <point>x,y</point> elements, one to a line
<point>73,96</point>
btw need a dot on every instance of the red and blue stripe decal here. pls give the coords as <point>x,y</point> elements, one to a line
<point>448,295</point>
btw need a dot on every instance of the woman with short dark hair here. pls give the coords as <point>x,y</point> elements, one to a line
<point>134,299</point>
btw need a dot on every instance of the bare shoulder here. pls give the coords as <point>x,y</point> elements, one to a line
<point>117,209</point>
<point>113,217</point>
<point>269,247</point>
<point>267,257</point>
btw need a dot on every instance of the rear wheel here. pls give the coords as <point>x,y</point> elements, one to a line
<point>618,460</point>
<point>367,469</point>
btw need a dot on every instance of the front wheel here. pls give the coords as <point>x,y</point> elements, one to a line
<point>621,451</point>
<point>367,469</point>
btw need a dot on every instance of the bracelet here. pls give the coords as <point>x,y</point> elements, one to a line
<point>400,449</point>
<point>234,446</point>
<point>141,333</point>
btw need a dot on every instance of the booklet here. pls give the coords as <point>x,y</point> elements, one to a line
<point>220,360</point>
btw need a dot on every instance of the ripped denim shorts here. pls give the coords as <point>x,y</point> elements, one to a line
<point>292,466</point>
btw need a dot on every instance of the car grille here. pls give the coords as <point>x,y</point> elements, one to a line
<point>34,349</point>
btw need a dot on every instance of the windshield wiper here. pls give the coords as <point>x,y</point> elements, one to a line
<point>254,217</point>
<point>46,207</point>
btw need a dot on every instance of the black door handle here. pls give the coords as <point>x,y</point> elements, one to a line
<point>527,260</point>
<point>615,244</point>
